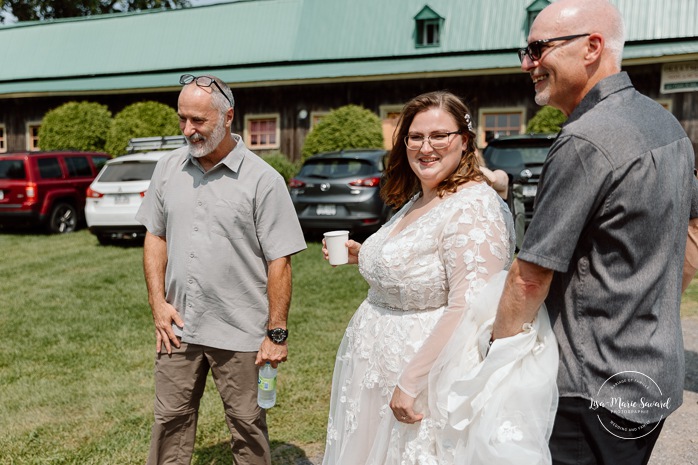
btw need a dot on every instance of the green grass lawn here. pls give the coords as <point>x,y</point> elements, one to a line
<point>76,384</point>
<point>76,376</point>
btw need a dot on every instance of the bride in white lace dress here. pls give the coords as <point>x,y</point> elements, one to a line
<point>410,385</point>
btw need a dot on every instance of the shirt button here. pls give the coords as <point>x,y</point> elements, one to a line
<point>199,203</point>
<point>195,228</point>
<point>191,255</point>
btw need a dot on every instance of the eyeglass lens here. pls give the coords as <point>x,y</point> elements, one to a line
<point>436,141</point>
<point>534,50</point>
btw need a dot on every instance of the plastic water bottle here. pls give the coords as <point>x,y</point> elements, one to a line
<point>266,386</point>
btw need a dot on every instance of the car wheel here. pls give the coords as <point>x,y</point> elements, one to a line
<point>63,219</point>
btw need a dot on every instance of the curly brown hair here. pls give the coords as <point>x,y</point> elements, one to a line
<point>399,181</point>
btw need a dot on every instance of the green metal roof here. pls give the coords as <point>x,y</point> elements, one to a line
<point>258,42</point>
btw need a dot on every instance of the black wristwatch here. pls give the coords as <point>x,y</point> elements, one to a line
<point>278,335</point>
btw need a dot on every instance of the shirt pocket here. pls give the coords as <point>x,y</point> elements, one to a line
<point>230,219</point>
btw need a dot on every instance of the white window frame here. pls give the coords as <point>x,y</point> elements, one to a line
<point>3,138</point>
<point>389,125</point>
<point>484,112</point>
<point>666,103</point>
<point>316,116</point>
<point>248,136</point>
<point>31,146</point>
<point>423,26</point>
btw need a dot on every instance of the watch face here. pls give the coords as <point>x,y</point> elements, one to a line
<point>277,335</point>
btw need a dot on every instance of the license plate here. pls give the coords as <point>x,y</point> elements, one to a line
<point>2,195</point>
<point>121,200</point>
<point>529,191</point>
<point>326,210</point>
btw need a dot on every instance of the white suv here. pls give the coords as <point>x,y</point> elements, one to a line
<point>115,195</point>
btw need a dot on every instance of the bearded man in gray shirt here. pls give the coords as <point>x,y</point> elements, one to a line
<point>217,261</point>
<point>605,248</point>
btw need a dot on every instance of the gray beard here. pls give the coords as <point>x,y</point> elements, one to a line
<point>210,142</point>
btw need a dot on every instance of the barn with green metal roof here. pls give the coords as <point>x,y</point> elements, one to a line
<point>289,62</point>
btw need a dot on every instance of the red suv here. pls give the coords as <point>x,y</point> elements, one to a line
<point>46,188</point>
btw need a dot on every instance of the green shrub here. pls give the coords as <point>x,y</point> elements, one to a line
<point>75,126</point>
<point>282,164</point>
<point>548,119</point>
<point>346,127</point>
<point>142,119</point>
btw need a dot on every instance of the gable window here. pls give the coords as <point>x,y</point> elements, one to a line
<point>495,122</point>
<point>532,12</point>
<point>33,136</point>
<point>262,131</point>
<point>428,28</point>
<point>3,142</point>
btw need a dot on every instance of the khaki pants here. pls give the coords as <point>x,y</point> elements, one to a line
<point>180,380</point>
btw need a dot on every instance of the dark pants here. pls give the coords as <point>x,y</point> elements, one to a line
<point>180,380</point>
<point>579,438</point>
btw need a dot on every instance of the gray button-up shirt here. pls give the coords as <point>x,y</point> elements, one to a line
<point>222,227</point>
<point>611,218</point>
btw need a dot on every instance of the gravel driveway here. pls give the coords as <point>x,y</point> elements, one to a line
<point>678,442</point>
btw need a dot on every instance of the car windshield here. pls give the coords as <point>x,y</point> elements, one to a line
<point>128,171</point>
<point>335,168</point>
<point>12,169</point>
<point>503,157</point>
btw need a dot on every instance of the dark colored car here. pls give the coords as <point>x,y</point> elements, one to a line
<point>46,188</point>
<point>522,157</point>
<point>340,190</point>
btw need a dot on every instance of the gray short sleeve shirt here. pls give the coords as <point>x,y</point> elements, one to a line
<point>222,228</point>
<point>611,219</point>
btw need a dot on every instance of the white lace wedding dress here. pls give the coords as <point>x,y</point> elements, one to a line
<point>434,290</point>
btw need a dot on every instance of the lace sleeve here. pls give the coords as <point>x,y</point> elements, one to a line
<point>474,246</point>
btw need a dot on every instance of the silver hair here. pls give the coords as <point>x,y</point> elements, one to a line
<point>225,100</point>
<point>615,42</point>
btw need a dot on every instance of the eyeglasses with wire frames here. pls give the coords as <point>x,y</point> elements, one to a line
<point>202,81</point>
<point>534,50</point>
<point>437,140</point>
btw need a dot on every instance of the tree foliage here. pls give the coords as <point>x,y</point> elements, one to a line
<point>32,10</point>
<point>548,119</point>
<point>75,126</point>
<point>142,119</point>
<point>282,164</point>
<point>347,127</point>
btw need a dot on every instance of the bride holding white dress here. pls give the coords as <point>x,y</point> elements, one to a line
<point>410,384</point>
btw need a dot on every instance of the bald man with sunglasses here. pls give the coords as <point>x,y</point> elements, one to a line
<point>607,246</point>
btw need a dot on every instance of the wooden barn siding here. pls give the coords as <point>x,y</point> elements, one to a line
<point>476,91</point>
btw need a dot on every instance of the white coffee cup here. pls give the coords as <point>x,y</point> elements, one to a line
<point>335,242</point>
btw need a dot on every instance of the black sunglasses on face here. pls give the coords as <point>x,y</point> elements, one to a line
<point>202,81</point>
<point>534,50</point>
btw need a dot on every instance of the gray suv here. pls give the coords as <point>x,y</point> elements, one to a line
<point>522,157</point>
<point>340,190</point>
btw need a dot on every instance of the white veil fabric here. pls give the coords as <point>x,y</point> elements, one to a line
<point>500,409</point>
<point>496,410</point>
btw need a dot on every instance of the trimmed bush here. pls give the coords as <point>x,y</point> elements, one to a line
<point>346,127</point>
<point>548,119</point>
<point>142,119</point>
<point>282,164</point>
<point>75,126</point>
